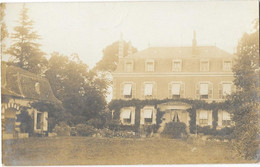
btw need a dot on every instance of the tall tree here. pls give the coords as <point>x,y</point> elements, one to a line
<point>81,91</point>
<point>4,32</point>
<point>245,100</point>
<point>110,57</point>
<point>25,48</point>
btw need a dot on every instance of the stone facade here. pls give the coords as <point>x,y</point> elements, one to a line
<point>196,72</point>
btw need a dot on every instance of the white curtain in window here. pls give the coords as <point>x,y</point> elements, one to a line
<point>126,113</point>
<point>148,113</point>
<point>148,90</point>
<point>226,89</point>
<point>176,88</point>
<point>226,116</point>
<point>204,89</point>
<point>227,65</point>
<point>203,114</point>
<point>127,89</point>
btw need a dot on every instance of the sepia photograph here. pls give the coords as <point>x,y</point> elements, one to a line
<point>130,83</point>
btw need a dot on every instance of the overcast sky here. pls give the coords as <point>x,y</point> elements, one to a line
<point>87,28</point>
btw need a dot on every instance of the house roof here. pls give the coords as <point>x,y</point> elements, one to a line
<point>181,52</point>
<point>21,83</point>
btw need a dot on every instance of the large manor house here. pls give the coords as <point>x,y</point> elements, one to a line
<point>189,72</point>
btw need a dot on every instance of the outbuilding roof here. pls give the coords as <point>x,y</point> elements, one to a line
<point>21,83</point>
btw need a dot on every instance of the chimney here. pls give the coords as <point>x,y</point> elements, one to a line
<point>121,46</point>
<point>130,51</point>
<point>194,43</point>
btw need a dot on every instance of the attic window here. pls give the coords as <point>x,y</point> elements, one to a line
<point>129,66</point>
<point>176,65</point>
<point>37,87</point>
<point>149,65</point>
<point>227,65</point>
<point>204,65</point>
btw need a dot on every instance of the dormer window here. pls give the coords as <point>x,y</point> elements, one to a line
<point>129,66</point>
<point>149,65</point>
<point>204,65</point>
<point>176,65</point>
<point>227,65</point>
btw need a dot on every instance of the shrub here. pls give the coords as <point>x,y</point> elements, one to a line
<point>62,129</point>
<point>113,124</point>
<point>174,130</point>
<point>85,130</point>
<point>97,123</point>
<point>207,130</point>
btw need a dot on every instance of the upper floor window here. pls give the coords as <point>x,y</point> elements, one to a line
<point>176,65</point>
<point>204,65</point>
<point>149,65</point>
<point>176,90</point>
<point>227,65</point>
<point>127,90</point>
<point>226,89</point>
<point>148,89</point>
<point>204,90</point>
<point>129,66</point>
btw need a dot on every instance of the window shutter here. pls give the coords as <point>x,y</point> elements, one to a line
<point>133,90</point>
<point>142,90</point>
<point>114,89</point>
<point>182,93</point>
<point>197,117</point>
<point>122,90</point>
<point>154,116</point>
<point>133,116</point>
<point>219,118</point>
<point>45,121</point>
<point>121,116</point>
<point>210,90</point>
<point>154,90</point>
<point>141,116</point>
<point>197,91</point>
<point>220,91</point>
<point>209,117</point>
<point>170,90</point>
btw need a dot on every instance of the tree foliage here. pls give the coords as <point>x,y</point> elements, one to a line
<point>25,49</point>
<point>81,91</point>
<point>245,100</point>
<point>109,60</point>
<point>4,32</point>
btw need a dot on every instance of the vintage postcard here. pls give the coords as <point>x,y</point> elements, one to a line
<point>130,83</point>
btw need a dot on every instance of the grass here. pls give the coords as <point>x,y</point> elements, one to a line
<point>116,151</point>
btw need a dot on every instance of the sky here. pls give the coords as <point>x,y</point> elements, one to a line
<point>86,28</point>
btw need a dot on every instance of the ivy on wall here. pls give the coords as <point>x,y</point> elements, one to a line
<point>116,105</point>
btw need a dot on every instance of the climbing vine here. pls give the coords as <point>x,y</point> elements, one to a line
<point>116,105</point>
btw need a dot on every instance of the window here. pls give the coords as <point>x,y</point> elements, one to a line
<point>38,124</point>
<point>148,90</point>
<point>176,65</point>
<point>148,116</point>
<point>126,116</point>
<point>37,87</point>
<point>227,65</point>
<point>226,120</point>
<point>127,90</point>
<point>176,87</point>
<point>149,65</point>
<point>203,117</point>
<point>204,90</point>
<point>129,66</point>
<point>226,89</point>
<point>204,65</point>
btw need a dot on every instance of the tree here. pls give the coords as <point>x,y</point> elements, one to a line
<point>245,100</point>
<point>25,50</point>
<point>4,32</point>
<point>81,91</point>
<point>110,57</point>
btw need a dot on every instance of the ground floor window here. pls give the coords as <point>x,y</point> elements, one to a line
<point>126,116</point>
<point>38,125</point>
<point>148,116</point>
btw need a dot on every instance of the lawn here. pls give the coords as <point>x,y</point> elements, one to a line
<point>116,151</point>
